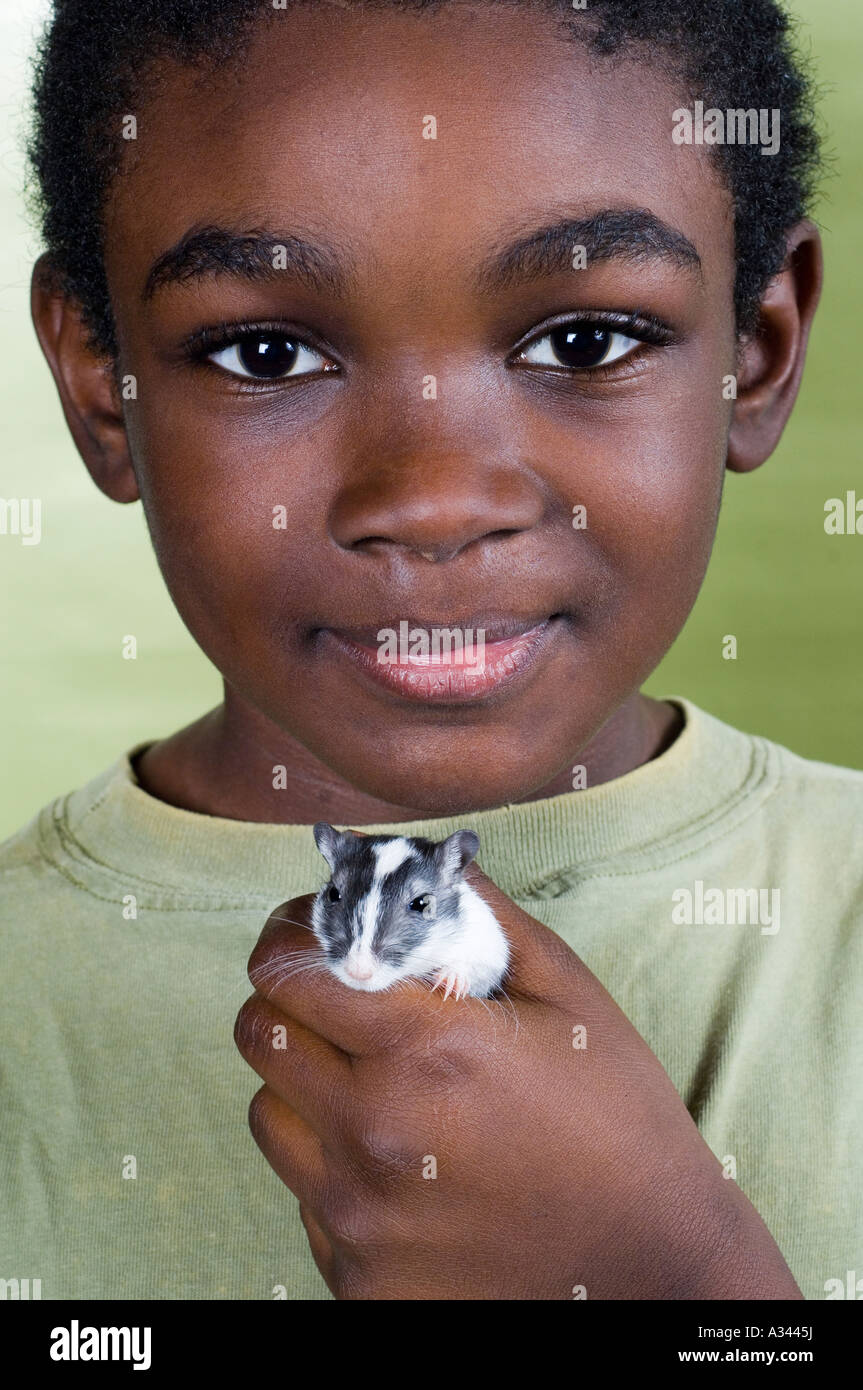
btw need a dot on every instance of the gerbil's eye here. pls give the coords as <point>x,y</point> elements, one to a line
<point>333,894</point>
<point>270,356</point>
<point>422,903</point>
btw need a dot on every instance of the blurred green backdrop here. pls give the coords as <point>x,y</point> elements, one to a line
<point>788,592</point>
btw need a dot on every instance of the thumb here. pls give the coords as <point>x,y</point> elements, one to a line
<point>542,966</point>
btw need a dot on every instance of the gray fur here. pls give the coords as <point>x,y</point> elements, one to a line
<point>401,906</point>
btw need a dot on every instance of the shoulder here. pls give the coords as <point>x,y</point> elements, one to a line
<point>824,794</point>
<point>21,852</point>
<point>811,830</point>
<point>44,852</point>
<point>821,807</point>
<point>31,879</point>
<point>803,787</point>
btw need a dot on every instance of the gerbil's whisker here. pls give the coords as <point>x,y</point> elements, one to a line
<point>291,974</point>
<point>261,979</point>
<point>281,959</point>
<point>293,922</point>
<point>295,958</point>
<point>282,971</point>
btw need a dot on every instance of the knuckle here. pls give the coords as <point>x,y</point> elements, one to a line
<point>389,1151</point>
<point>352,1218</point>
<point>248,1034</point>
<point>387,1130</point>
<point>353,1278</point>
<point>260,1117</point>
<point>296,912</point>
<point>289,921</point>
<point>367,1204</point>
<point>448,1061</point>
<point>445,1069</point>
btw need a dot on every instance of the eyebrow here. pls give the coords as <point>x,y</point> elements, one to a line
<point>630,234</point>
<point>254,255</point>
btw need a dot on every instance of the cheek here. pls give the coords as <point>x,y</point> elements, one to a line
<point>232,513</point>
<point>337,941</point>
<point>643,481</point>
<point>404,939</point>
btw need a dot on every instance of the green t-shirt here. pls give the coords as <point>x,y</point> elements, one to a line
<point>716,892</point>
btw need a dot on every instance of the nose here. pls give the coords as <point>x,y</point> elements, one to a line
<point>358,972</point>
<point>434,501</point>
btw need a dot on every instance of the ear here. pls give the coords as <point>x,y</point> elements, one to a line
<point>86,384</point>
<point>456,852</point>
<point>770,362</point>
<point>328,840</point>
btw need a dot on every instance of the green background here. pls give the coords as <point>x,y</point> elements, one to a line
<point>787,591</point>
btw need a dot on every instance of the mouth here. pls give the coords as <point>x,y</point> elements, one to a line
<point>446,663</point>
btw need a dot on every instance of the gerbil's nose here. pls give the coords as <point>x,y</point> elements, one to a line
<point>358,972</point>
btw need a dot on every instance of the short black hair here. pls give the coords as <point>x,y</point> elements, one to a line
<point>96,59</point>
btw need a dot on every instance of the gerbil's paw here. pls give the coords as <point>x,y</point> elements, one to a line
<point>457,984</point>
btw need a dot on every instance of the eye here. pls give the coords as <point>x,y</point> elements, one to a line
<point>422,903</point>
<point>579,346</point>
<point>333,893</point>
<point>270,356</point>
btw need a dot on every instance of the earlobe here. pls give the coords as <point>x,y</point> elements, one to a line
<point>86,386</point>
<point>772,359</point>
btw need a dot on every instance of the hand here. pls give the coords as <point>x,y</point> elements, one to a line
<point>468,1150</point>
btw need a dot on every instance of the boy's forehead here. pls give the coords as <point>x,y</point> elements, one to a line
<point>325,126</point>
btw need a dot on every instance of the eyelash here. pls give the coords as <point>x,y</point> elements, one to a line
<point>201,346</point>
<point>645,329</point>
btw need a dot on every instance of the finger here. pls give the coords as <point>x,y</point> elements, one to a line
<point>359,1022</point>
<point>303,1069</point>
<point>319,1244</point>
<point>291,1148</point>
<point>541,966</point>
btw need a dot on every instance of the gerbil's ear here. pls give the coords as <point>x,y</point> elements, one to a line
<point>86,384</point>
<point>328,840</point>
<point>456,852</point>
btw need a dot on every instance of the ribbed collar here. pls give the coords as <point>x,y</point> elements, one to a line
<point>114,838</point>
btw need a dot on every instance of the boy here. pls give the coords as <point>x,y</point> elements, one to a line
<point>378,338</point>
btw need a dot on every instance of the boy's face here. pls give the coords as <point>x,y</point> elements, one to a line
<point>454,511</point>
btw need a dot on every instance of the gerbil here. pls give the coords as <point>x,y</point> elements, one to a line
<point>398,908</point>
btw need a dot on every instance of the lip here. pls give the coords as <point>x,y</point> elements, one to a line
<point>504,654</point>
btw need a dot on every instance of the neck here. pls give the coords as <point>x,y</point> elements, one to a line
<point>222,765</point>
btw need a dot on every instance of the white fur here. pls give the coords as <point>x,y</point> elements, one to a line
<point>473,949</point>
<point>389,856</point>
